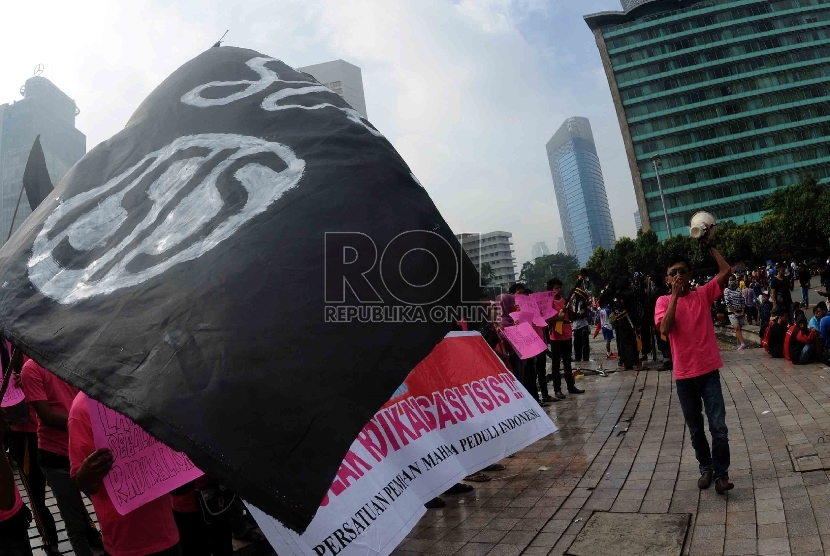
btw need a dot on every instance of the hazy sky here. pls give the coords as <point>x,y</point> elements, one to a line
<point>468,91</point>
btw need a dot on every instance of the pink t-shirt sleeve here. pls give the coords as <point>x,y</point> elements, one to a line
<point>660,309</point>
<point>33,385</point>
<point>712,291</point>
<point>81,442</point>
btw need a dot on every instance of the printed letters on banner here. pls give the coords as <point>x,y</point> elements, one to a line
<point>458,411</point>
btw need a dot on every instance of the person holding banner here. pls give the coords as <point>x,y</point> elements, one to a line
<point>148,529</point>
<point>560,342</point>
<point>14,515</point>
<point>51,399</point>
<point>507,305</point>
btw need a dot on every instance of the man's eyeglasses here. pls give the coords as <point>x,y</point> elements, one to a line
<point>681,271</point>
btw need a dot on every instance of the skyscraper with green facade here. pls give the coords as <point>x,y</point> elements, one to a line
<point>733,96</point>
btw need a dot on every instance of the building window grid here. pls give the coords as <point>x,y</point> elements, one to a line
<point>782,82</point>
<point>760,146</point>
<point>734,35</point>
<point>731,15</point>
<point>751,121</point>
<point>731,67</point>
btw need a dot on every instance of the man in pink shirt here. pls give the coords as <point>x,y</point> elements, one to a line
<point>685,317</point>
<point>147,530</point>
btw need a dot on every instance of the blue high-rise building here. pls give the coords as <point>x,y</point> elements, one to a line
<point>580,190</point>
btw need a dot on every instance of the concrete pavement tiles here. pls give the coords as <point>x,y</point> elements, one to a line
<point>623,448</point>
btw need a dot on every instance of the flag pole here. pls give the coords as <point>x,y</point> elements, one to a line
<point>17,206</point>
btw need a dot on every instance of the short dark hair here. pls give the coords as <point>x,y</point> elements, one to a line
<point>781,265</point>
<point>515,287</point>
<point>554,282</point>
<point>679,258</point>
<point>820,305</point>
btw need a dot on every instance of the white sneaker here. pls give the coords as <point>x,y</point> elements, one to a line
<point>742,346</point>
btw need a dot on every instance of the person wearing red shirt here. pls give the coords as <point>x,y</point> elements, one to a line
<point>14,515</point>
<point>51,399</point>
<point>685,318</point>
<point>147,530</point>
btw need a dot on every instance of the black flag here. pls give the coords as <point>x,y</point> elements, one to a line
<point>248,270</point>
<point>36,177</point>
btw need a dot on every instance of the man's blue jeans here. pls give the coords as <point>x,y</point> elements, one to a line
<point>805,300</point>
<point>696,394</point>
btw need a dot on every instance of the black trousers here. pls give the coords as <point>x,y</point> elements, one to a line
<point>197,538</point>
<point>627,345</point>
<point>582,346</point>
<point>541,374</point>
<point>560,350</point>
<point>14,534</point>
<point>528,378</point>
<point>23,450</point>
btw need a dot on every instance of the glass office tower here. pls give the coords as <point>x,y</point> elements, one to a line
<point>731,95</point>
<point>580,190</point>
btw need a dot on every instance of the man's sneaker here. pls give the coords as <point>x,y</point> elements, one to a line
<point>723,485</point>
<point>705,480</point>
<point>559,395</point>
<point>741,346</point>
<point>575,390</point>
<point>611,356</point>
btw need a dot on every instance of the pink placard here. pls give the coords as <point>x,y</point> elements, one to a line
<point>525,340</point>
<point>143,468</point>
<point>526,303</point>
<point>544,301</point>
<point>13,395</point>
<point>529,317</point>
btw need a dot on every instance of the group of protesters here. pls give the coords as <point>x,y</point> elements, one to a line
<point>50,440</point>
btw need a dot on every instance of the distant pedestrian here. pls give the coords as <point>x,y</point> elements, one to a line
<point>685,318</point>
<point>804,277</point>
<point>735,305</point>
<point>781,288</point>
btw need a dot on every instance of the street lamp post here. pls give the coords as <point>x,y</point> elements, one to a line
<point>655,160</point>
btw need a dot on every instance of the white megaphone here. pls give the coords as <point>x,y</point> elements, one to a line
<point>702,225</point>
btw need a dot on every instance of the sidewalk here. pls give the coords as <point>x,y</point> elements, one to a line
<point>623,448</point>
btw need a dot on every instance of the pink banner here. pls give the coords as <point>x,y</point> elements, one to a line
<point>526,303</point>
<point>143,467</point>
<point>13,395</point>
<point>531,318</point>
<point>525,340</point>
<point>544,301</point>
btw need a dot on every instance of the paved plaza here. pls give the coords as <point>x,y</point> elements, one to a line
<point>622,447</point>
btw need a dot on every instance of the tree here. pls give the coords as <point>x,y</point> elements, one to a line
<point>488,275</point>
<point>536,273</point>
<point>801,211</point>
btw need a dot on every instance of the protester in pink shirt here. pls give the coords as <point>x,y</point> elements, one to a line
<point>147,530</point>
<point>23,450</point>
<point>684,317</point>
<point>51,399</point>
